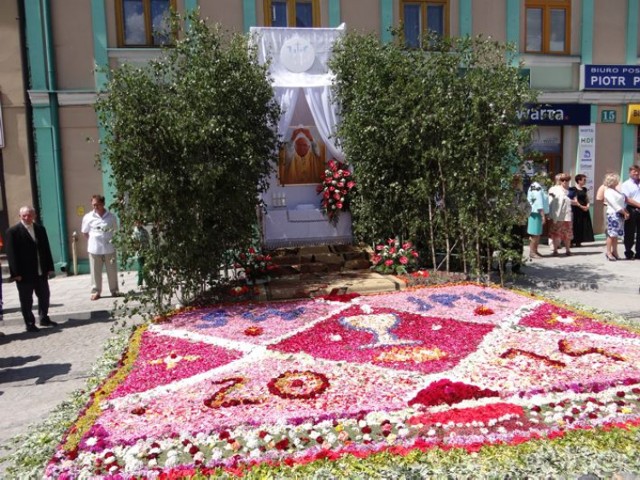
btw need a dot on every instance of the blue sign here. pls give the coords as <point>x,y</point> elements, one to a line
<point>556,114</point>
<point>611,77</point>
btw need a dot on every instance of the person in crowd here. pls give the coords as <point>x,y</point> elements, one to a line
<point>141,238</point>
<point>537,198</point>
<point>616,214</point>
<point>631,189</point>
<point>561,228</point>
<point>582,227</point>
<point>98,227</point>
<point>30,265</point>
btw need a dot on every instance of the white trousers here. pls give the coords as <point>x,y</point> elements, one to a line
<point>95,263</point>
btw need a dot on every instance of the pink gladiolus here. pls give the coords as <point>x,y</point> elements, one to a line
<point>391,241</point>
<point>339,205</point>
<point>404,260</point>
<point>406,245</point>
<point>388,263</point>
<point>351,184</point>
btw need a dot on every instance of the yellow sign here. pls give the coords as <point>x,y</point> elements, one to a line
<point>633,114</point>
<point>80,210</point>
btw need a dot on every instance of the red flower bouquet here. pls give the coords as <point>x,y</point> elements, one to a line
<point>336,188</point>
<point>256,265</point>
<point>394,257</point>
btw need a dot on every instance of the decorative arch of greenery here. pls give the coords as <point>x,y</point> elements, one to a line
<point>190,139</point>
<point>434,138</point>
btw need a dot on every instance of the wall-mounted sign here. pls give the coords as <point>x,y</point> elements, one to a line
<point>610,77</point>
<point>633,114</point>
<point>556,114</point>
<point>587,154</point>
<point>608,116</point>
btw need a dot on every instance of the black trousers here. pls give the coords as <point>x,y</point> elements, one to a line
<point>632,234</point>
<point>26,289</point>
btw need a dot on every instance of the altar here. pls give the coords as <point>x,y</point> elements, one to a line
<point>298,66</point>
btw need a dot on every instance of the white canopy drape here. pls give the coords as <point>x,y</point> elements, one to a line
<point>299,61</point>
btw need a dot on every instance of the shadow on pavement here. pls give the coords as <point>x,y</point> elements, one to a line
<point>17,361</point>
<point>78,320</point>
<point>556,277</point>
<point>43,373</point>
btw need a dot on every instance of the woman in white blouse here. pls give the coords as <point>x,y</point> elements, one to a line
<point>561,229</point>
<point>616,214</point>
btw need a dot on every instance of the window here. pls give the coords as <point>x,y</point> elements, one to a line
<point>292,13</point>
<point>143,23</point>
<point>547,26</point>
<point>420,16</point>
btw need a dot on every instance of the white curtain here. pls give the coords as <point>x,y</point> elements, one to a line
<point>325,117</point>
<point>286,98</point>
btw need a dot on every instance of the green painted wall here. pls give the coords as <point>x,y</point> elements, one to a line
<point>586,45</point>
<point>101,60</point>
<point>249,15</point>
<point>386,19</point>
<point>465,18</point>
<point>46,128</point>
<point>513,26</point>
<point>334,13</point>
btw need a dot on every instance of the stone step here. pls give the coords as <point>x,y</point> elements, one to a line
<point>319,259</point>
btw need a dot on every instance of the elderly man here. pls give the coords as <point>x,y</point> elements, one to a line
<point>631,189</point>
<point>98,226</point>
<point>303,159</point>
<point>30,264</point>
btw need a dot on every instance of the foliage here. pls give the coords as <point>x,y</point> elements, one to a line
<point>190,140</point>
<point>337,188</point>
<point>434,138</point>
<point>394,257</point>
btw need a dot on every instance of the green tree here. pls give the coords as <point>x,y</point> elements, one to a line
<point>434,138</point>
<point>191,139</point>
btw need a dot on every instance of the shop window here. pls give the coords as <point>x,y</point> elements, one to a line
<point>421,16</point>
<point>292,13</point>
<point>143,23</point>
<point>547,26</point>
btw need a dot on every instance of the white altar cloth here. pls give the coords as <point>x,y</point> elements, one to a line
<point>283,227</point>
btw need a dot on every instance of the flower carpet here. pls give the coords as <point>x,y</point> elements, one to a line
<point>455,366</point>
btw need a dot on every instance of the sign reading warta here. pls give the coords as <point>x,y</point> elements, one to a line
<point>610,77</point>
<point>556,114</point>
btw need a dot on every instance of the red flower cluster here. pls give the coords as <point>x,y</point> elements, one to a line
<point>253,331</point>
<point>336,188</point>
<point>446,391</point>
<point>294,384</point>
<point>482,310</point>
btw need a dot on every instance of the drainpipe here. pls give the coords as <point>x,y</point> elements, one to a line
<point>28,113</point>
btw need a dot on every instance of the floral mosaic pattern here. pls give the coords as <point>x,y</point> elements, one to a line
<point>290,382</point>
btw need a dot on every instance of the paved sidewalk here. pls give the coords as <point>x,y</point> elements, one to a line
<point>39,370</point>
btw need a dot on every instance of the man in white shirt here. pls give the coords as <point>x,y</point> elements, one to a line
<point>98,227</point>
<point>631,189</point>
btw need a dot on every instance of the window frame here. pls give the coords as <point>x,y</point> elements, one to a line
<point>547,6</point>
<point>291,13</point>
<point>148,23</point>
<point>424,4</point>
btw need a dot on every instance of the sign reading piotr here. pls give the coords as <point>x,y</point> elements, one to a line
<point>610,77</point>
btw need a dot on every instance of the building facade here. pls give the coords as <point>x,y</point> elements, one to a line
<point>582,55</point>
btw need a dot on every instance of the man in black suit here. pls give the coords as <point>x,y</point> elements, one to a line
<point>30,263</point>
